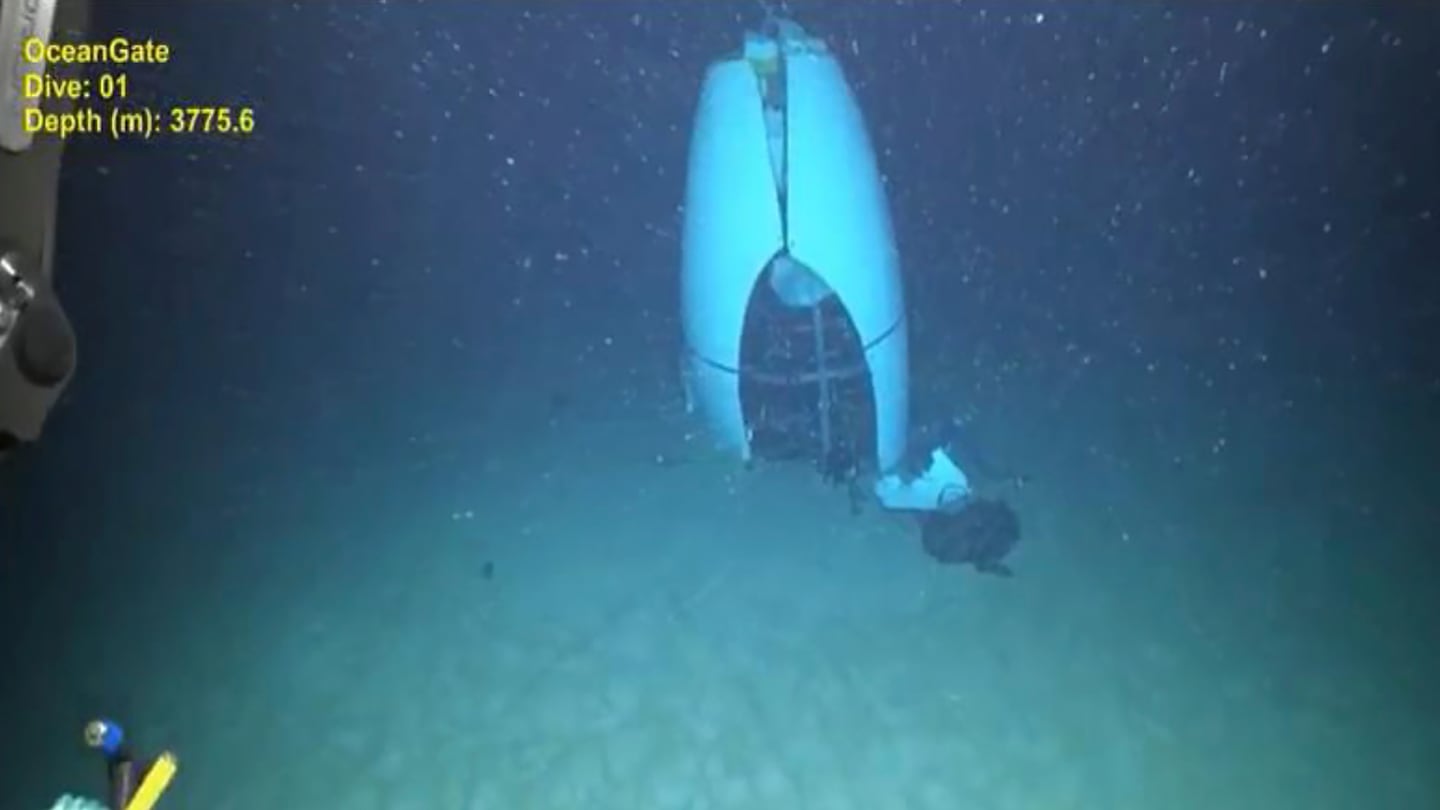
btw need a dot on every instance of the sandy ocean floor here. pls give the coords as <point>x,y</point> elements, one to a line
<point>585,609</point>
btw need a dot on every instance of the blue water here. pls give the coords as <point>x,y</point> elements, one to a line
<point>375,488</point>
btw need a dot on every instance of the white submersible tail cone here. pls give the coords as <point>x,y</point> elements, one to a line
<point>794,317</point>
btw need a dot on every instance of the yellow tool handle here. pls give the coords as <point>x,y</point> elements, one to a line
<point>155,781</point>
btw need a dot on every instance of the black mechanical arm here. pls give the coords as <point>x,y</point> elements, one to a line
<point>37,344</point>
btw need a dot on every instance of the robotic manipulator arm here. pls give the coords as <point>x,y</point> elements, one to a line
<point>37,344</point>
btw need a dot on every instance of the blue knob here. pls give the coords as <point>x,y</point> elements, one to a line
<point>106,735</point>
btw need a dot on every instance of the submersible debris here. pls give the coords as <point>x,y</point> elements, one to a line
<point>980,533</point>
